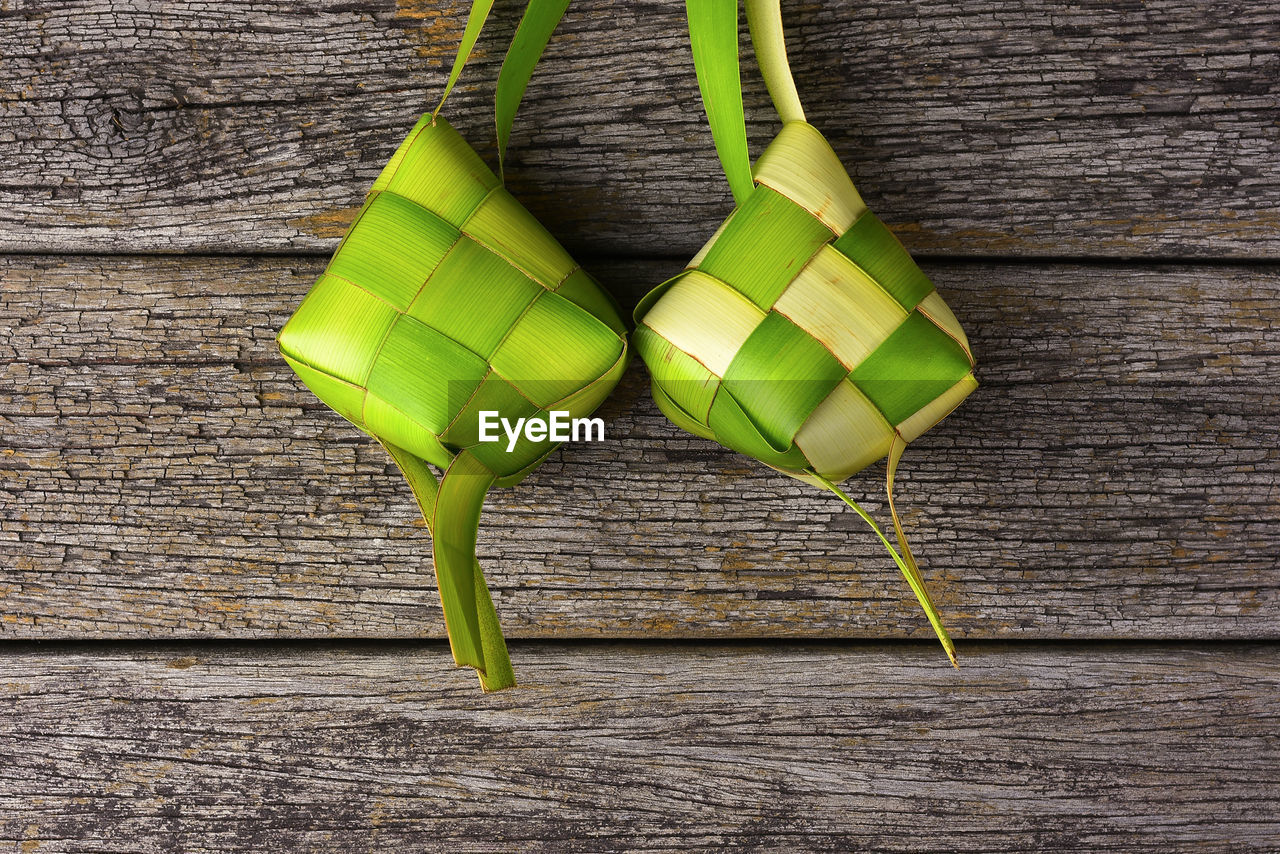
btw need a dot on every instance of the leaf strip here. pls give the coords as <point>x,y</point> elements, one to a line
<point>475,22</point>
<point>906,564</point>
<point>713,35</point>
<point>452,512</point>
<point>539,21</point>
<point>764,18</point>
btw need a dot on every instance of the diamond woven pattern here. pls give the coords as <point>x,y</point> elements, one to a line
<point>803,334</point>
<point>445,298</point>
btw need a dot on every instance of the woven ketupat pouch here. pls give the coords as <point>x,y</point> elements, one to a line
<point>802,334</point>
<point>447,298</point>
<point>825,337</point>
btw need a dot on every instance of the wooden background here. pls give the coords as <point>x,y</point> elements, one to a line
<point>218,624</point>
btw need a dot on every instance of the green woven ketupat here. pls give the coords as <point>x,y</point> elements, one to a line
<point>447,298</point>
<point>824,347</point>
<point>802,334</point>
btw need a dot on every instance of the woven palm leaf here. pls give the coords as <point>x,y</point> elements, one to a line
<point>447,298</point>
<point>802,334</point>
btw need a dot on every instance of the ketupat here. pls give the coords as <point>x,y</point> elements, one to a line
<point>446,298</point>
<point>802,334</point>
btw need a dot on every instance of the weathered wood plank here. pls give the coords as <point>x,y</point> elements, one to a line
<point>973,126</point>
<point>162,473</point>
<point>642,748</point>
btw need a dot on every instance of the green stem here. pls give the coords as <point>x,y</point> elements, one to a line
<point>764,18</point>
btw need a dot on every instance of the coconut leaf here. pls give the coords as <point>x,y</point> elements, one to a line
<point>713,35</point>
<point>475,23</point>
<point>764,18</point>
<point>539,21</point>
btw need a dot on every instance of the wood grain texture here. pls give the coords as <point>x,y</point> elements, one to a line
<point>642,748</point>
<point>162,473</point>
<point>972,126</point>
